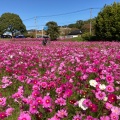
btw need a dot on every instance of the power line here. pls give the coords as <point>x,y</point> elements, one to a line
<point>62,13</point>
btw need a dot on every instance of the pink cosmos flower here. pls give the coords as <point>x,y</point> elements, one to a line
<point>62,113</point>
<point>16,95</point>
<point>86,102</point>
<point>5,79</point>
<point>115,110</point>
<point>21,78</point>
<point>47,101</point>
<point>77,117</point>
<point>67,93</point>
<point>9,111</point>
<point>35,87</point>
<point>43,84</point>
<point>60,101</point>
<point>100,95</point>
<point>109,79</point>
<point>54,118</point>
<point>35,82</point>
<point>89,118</point>
<point>39,100</point>
<point>59,90</point>
<point>114,116</point>
<point>109,88</point>
<point>24,116</point>
<point>108,105</point>
<point>35,93</point>
<point>2,101</point>
<point>104,118</point>
<point>33,108</point>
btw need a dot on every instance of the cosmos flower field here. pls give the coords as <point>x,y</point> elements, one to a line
<point>60,81</point>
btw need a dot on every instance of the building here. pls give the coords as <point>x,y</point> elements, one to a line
<point>75,33</point>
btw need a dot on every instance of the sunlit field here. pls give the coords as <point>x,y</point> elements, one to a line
<point>59,81</point>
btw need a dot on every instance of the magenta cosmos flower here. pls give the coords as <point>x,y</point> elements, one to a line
<point>2,115</point>
<point>2,101</point>
<point>67,93</point>
<point>89,118</point>
<point>33,108</point>
<point>24,116</point>
<point>108,105</point>
<point>62,113</point>
<point>109,79</point>
<point>113,116</point>
<point>100,95</point>
<point>39,100</point>
<point>109,88</point>
<point>115,110</point>
<point>77,117</point>
<point>60,101</point>
<point>94,108</point>
<point>104,118</point>
<point>9,111</point>
<point>59,90</point>
<point>47,101</point>
<point>54,118</point>
<point>112,98</point>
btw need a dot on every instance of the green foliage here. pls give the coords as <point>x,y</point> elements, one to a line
<point>10,22</point>
<point>79,39</point>
<point>108,22</point>
<point>53,30</point>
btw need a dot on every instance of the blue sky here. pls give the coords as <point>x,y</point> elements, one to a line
<point>65,11</point>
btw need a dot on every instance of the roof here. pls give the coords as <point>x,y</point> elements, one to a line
<point>75,32</point>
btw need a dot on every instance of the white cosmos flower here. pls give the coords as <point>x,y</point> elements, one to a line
<point>102,86</point>
<point>80,104</point>
<point>93,83</point>
<point>105,99</point>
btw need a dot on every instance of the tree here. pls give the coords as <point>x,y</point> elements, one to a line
<point>79,24</point>
<point>108,22</point>
<point>53,30</point>
<point>12,23</point>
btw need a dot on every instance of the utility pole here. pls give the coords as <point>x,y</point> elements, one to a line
<point>36,27</point>
<point>90,21</point>
<point>42,32</point>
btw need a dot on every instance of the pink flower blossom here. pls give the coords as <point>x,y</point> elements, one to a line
<point>9,111</point>
<point>59,90</point>
<point>39,100</point>
<point>109,79</point>
<point>47,101</point>
<point>62,113</point>
<point>77,117</point>
<point>60,101</point>
<point>89,118</point>
<point>2,115</point>
<point>109,88</point>
<point>43,84</point>
<point>67,93</point>
<point>24,116</point>
<point>2,101</point>
<point>54,118</point>
<point>114,116</point>
<point>112,98</point>
<point>115,110</point>
<point>108,105</point>
<point>104,118</point>
<point>33,108</point>
<point>100,95</point>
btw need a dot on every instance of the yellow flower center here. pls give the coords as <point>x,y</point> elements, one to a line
<point>47,101</point>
